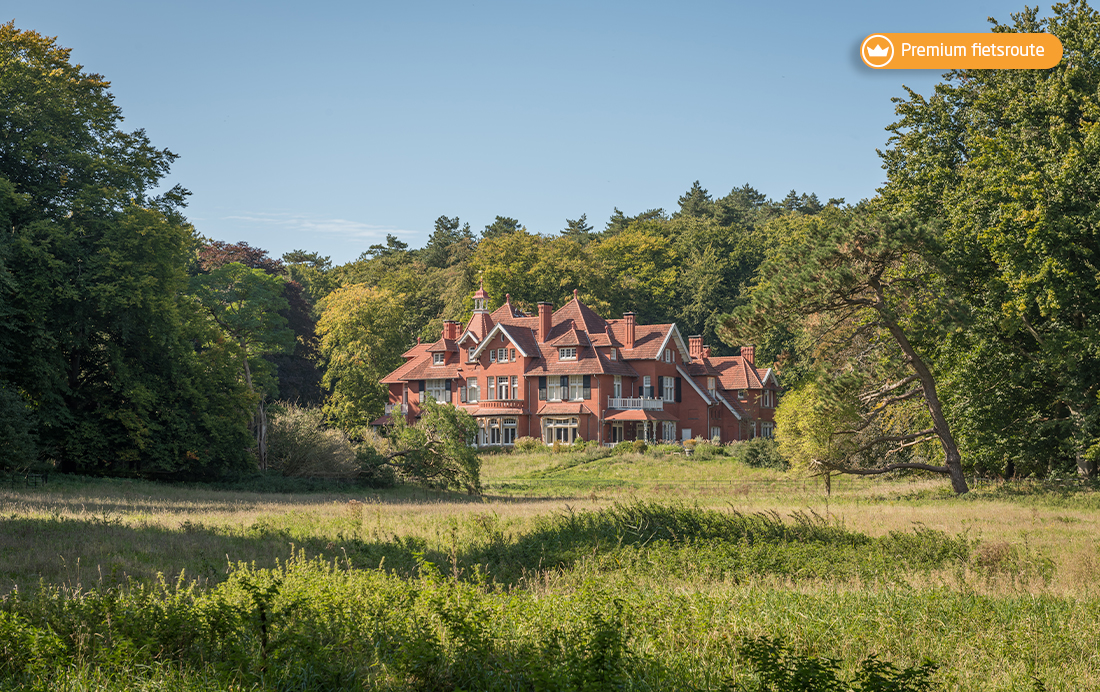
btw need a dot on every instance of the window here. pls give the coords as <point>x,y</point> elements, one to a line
<point>612,354</point>
<point>742,394</point>
<point>769,398</point>
<point>668,355</point>
<point>647,389</point>
<point>618,386</point>
<point>502,355</point>
<point>437,358</point>
<point>715,434</point>
<point>502,387</point>
<point>668,431</point>
<point>767,429</point>
<point>492,356</point>
<point>567,353</point>
<point>490,388</point>
<point>576,387</point>
<point>669,393</point>
<point>509,431</point>
<point>512,353</point>
<point>470,357</point>
<point>436,389</point>
<point>562,430</point>
<point>515,387</point>
<point>553,388</point>
<point>494,431</point>
<point>712,383</point>
<point>473,392</point>
<point>685,434</point>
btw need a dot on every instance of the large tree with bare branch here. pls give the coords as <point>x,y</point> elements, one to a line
<point>864,287</point>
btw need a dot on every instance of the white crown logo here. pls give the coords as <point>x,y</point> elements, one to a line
<point>877,52</point>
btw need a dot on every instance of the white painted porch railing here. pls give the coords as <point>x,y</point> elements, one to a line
<point>635,403</point>
<point>391,407</point>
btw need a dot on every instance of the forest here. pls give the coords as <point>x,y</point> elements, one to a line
<point>951,323</point>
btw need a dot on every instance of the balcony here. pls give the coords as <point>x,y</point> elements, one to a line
<point>404,408</point>
<point>635,403</point>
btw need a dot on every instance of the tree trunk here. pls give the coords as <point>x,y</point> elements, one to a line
<point>952,457</point>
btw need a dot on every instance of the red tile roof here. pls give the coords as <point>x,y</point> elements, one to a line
<point>636,414</point>
<point>442,346</point>
<point>563,409</point>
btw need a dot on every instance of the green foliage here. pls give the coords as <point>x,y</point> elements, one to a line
<point>18,443</point>
<point>760,452</point>
<point>361,342</point>
<point>528,445</point>
<point>299,444</point>
<point>639,446</point>
<point>622,447</point>
<point>780,669</point>
<point>438,450</point>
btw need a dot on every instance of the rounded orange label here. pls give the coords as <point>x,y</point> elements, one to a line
<point>975,51</point>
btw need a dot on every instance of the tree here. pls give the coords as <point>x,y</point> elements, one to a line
<point>1008,159</point>
<point>95,293</point>
<point>578,230</point>
<point>361,339</point>
<point>502,225</point>
<point>696,202</point>
<point>245,304</point>
<point>438,449</point>
<point>864,275</point>
<point>449,244</point>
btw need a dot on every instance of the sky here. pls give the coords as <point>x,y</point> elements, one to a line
<point>325,126</point>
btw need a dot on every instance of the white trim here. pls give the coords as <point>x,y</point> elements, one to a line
<point>685,355</point>
<point>689,378</point>
<point>489,337</point>
<point>718,395</point>
<point>770,374</point>
<point>466,334</point>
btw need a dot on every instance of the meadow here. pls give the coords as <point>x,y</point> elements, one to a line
<point>572,571</point>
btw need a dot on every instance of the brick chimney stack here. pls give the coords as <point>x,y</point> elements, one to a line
<point>545,310</point>
<point>749,354</point>
<point>451,329</point>
<point>706,351</point>
<point>695,346</point>
<point>629,317</point>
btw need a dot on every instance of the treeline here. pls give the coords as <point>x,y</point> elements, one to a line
<point>130,344</point>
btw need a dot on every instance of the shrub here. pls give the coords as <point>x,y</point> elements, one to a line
<point>761,452</point>
<point>639,446</point>
<point>705,450</point>
<point>578,445</point>
<point>299,444</point>
<point>622,448</point>
<point>527,445</point>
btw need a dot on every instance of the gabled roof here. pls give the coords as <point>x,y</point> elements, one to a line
<point>695,385</point>
<point>573,337</point>
<point>480,324</point>
<point>582,315</point>
<point>506,311</point>
<point>443,346</point>
<point>649,339</point>
<point>513,335</point>
<point>736,411</point>
<point>735,373</point>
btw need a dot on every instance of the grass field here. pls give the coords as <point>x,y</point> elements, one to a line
<point>572,571</point>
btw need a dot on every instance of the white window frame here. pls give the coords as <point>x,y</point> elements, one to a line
<point>436,390</point>
<point>669,393</point>
<point>550,426</point>
<point>473,391</point>
<point>668,432</point>
<point>767,429</point>
<point>509,431</point>
<point>612,354</point>
<point>512,353</point>
<point>502,387</point>
<point>502,355</point>
<point>716,433</point>
<point>668,355</point>
<point>742,394</point>
<point>569,353</point>
<point>576,387</point>
<point>712,383</point>
<point>515,386</point>
<point>492,355</point>
<point>647,382</point>
<point>618,386</point>
<point>438,358</point>
<point>470,357</point>
<point>553,388</point>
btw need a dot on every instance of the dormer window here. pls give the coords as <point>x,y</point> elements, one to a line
<point>437,358</point>
<point>567,353</point>
<point>612,354</point>
<point>470,357</point>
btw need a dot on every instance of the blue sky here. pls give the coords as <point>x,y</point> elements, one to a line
<point>325,126</point>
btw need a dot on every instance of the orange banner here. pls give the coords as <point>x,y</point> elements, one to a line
<point>984,51</point>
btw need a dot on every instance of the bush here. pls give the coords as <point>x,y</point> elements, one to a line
<point>639,446</point>
<point>527,445</point>
<point>622,448</point>
<point>760,452</point>
<point>705,450</point>
<point>299,444</point>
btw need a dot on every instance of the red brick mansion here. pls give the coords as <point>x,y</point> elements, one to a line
<point>568,373</point>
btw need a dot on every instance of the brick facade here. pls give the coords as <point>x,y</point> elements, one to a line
<point>568,373</point>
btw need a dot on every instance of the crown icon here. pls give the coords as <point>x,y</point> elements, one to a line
<point>877,51</point>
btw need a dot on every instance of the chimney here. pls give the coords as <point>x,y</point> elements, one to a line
<point>545,309</point>
<point>629,317</point>
<point>706,351</point>
<point>450,329</point>
<point>695,346</point>
<point>749,354</point>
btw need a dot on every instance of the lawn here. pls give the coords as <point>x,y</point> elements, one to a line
<point>571,571</point>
